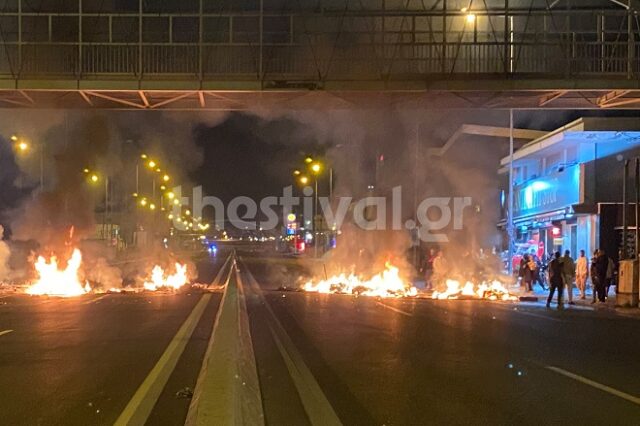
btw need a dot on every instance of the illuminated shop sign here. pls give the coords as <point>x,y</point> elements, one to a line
<point>548,193</point>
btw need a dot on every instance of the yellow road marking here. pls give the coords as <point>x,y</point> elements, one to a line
<point>141,404</point>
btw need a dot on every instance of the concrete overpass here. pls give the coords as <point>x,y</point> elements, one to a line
<point>236,55</point>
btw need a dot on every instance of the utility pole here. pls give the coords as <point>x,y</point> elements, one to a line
<point>510,207</point>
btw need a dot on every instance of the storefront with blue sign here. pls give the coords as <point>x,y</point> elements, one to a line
<point>568,186</point>
<point>544,212</point>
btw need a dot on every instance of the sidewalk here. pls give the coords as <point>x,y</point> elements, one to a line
<point>582,304</point>
<point>579,304</point>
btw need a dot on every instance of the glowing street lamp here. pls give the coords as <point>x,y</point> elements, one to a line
<point>470,17</point>
<point>94,178</point>
<point>166,178</point>
<point>296,172</point>
<point>304,180</point>
<point>308,160</point>
<point>151,164</point>
<point>143,202</point>
<point>22,146</point>
<point>316,167</point>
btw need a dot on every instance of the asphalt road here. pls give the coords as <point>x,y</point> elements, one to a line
<point>324,359</point>
<point>79,361</point>
<point>422,362</point>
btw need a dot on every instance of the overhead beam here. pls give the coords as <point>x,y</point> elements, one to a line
<point>14,102</point>
<point>145,101</point>
<point>621,102</point>
<point>608,97</point>
<point>171,100</point>
<point>85,97</point>
<point>26,96</point>
<point>552,97</point>
<point>114,99</point>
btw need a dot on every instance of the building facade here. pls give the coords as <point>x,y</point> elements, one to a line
<point>568,186</point>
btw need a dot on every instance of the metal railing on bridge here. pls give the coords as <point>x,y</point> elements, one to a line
<point>319,45</point>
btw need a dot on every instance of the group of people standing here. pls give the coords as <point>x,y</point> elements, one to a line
<point>563,271</point>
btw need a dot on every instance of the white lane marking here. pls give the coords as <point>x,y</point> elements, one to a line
<point>315,403</point>
<point>141,404</point>
<point>604,388</point>
<point>96,299</point>
<point>400,311</point>
<point>2,333</point>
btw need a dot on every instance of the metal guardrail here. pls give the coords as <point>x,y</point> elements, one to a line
<point>361,62</point>
<point>318,46</point>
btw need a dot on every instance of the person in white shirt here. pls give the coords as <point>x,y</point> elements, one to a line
<point>582,273</point>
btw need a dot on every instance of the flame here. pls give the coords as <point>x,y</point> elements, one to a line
<point>55,282</point>
<point>493,291</point>
<point>172,281</point>
<point>385,284</point>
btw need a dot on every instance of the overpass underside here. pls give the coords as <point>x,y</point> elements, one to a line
<point>238,55</point>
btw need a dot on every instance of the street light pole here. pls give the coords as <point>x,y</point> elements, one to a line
<point>41,167</point>
<point>315,214</point>
<point>510,207</point>
<point>415,199</point>
<point>106,208</point>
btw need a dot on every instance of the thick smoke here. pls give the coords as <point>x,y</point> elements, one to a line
<point>391,147</point>
<point>107,143</point>
<point>381,148</point>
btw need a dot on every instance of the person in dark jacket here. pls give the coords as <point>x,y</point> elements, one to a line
<point>427,268</point>
<point>568,274</point>
<point>601,266</point>
<point>538,274</point>
<point>593,271</point>
<point>555,279</point>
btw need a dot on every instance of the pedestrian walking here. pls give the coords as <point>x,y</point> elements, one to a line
<point>568,273</point>
<point>582,273</point>
<point>555,279</point>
